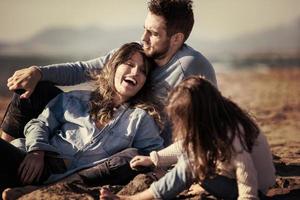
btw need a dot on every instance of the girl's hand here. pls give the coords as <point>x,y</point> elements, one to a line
<point>140,161</point>
<point>32,167</point>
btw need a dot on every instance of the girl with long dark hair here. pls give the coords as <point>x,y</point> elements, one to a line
<point>218,145</point>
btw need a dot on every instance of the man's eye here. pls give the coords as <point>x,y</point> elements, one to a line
<point>155,34</point>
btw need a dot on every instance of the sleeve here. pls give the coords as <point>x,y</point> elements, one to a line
<point>174,182</point>
<point>167,156</point>
<point>147,138</point>
<point>73,73</point>
<point>246,176</point>
<point>39,131</point>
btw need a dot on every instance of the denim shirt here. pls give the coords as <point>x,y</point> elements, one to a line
<point>186,62</point>
<point>65,127</point>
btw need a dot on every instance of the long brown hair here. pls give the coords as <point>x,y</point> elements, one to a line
<point>207,124</point>
<point>101,101</point>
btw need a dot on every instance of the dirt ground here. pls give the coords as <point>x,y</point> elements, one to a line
<point>273,98</point>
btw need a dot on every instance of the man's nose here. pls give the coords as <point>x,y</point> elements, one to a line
<point>145,36</point>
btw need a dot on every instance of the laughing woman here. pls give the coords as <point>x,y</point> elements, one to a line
<point>80,129</point>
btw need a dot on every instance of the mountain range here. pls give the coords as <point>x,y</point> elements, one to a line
<point>94,41</point>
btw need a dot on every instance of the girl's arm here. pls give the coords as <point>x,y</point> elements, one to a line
<point>163,158</point>
<point>246,174</point>
<point>167,156</point>
<point>174,182</point>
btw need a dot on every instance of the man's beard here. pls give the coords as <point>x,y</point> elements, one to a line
<point>158,55</point>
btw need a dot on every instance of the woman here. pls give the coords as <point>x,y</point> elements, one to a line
<point>80,129</point>
<point>222,148</point>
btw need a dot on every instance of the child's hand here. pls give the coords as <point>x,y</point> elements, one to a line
<point>32,167</point>
<point>140,161</point>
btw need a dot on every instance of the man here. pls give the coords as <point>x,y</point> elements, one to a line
<point>167,26</point>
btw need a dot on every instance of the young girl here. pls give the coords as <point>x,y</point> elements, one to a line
<point>217,143</point>
<point>80,129</point>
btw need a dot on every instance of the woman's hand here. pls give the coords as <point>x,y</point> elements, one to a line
<point>32,167</point>
<point>140,161</point>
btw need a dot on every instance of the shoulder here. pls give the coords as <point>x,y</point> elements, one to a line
<point>193,62</point>
<point>189,57</point>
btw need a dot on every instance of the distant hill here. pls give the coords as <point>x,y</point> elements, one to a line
<point>280,39</point>
<point>71,42</point>
<point>95,41</point>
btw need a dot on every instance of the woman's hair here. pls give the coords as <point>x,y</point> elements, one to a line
<point>207,124</point>
<point>101,101</point>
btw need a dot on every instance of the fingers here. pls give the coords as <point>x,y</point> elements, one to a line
<point>106,194</point>
<point>136,162</point>
<point>31,168</point>
<point>26,94</point>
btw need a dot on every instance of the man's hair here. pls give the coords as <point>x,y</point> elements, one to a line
<point>178,15</point>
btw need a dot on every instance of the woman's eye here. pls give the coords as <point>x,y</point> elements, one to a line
<point>129,64</point>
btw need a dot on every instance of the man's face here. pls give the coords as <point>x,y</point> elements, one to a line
<point>156,43</point>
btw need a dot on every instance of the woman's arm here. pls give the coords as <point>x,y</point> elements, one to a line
<point>38,131</point>
<point>147,137</point>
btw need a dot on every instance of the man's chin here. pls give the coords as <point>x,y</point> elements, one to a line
<point>148,53</point>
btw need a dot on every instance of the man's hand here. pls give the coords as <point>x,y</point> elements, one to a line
<point>32,167</point>
<point>140,161</point>
<point>26,79</point>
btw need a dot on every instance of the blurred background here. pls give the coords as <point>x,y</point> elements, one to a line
<point>254,46</point>
<point>232,34</point>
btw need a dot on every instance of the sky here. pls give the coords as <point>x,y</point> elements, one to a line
<point>214,19</point>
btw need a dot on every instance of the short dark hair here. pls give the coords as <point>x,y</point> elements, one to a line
<point>177,13</point>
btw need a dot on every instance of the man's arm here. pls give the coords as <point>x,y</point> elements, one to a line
<point>60,74</point>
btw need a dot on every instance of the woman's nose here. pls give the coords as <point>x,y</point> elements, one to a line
<point>135,70</point>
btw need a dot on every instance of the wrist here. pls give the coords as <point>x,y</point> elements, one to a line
<point>37,72</point>
<point>154,158</point>
<point>38,152</point>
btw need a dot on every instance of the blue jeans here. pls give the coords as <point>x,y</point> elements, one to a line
<point>181,178</point>
<point>11,157</point>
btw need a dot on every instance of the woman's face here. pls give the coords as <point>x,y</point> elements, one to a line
<point>129,78</point>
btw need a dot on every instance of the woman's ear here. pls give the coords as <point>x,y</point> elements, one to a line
<point>177,39</point>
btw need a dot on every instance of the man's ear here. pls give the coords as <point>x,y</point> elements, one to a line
<point>177,39</point>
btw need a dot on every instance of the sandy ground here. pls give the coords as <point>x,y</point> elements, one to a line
<point>273,98</point>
